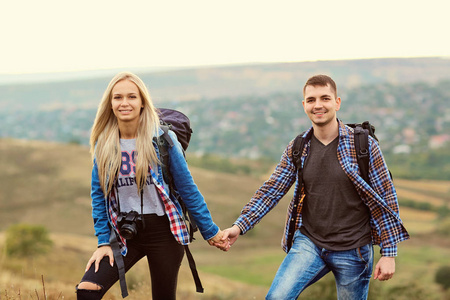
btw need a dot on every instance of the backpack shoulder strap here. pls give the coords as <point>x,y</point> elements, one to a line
<point>166,135</point>
<point>193,267</point>
<point>297,150</point>
<point>164,142</point>
<point>361,140</point>
<point>371,131</point>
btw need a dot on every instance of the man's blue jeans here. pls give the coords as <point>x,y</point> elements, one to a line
<point>306,263</point>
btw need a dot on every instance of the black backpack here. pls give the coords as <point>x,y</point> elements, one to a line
<point>180,124</point>
<point>361,141</point>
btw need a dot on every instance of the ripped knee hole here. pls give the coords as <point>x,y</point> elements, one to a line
<point>86,285</point>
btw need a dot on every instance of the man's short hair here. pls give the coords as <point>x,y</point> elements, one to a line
<point>321,80</point>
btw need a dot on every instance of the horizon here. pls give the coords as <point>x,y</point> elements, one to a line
<point>60,76</point>
<point>151,68</point>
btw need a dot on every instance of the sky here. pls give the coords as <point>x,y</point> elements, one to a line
<point>44,36</point>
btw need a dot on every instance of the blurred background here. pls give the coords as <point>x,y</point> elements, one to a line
<point>237,69</point>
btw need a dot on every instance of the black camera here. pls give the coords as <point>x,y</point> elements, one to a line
<point>129,224</point>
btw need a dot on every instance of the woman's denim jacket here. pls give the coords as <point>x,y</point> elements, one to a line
<point>184,183</point>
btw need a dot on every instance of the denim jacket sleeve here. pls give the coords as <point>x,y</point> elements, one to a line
<point>189,191</point>
<point>99,212</point>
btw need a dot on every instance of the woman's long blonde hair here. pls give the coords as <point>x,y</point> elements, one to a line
<point>104,141</point>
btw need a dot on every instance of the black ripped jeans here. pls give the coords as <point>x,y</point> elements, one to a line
<point>164,256</point>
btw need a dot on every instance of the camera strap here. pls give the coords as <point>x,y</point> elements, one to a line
<point>116,248</point>
<point>118,258</point>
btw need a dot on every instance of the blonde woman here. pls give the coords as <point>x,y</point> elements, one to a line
<point>131,203</point>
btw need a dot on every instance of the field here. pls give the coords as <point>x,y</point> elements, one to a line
<point>48,184</point>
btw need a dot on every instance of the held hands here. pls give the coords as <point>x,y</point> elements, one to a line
<point>219,241</point>
<point>228,237</point>
<point>98,255</point>
<point>385,268</point>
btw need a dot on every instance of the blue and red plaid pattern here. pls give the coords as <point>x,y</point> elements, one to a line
<point>113,209</point>
<point>380,196</point>
<point>177,224</point>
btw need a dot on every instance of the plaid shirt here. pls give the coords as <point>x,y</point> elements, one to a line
<point>380,196</point>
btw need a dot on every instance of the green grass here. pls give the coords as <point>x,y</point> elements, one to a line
<point>250,268</point>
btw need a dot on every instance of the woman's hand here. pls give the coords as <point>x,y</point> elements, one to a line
<point>98,255</point>
<point>219,242</point>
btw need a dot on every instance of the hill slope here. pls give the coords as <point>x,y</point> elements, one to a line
<point>48,184</point>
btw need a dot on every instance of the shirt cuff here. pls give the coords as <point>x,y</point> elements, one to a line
<point>241,227</point>
<point>210,233</point>
<point>389,251</point>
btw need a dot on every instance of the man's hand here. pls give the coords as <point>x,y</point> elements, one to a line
<point>385,268</point>
<point>231,234</point>
<point>219,241</point>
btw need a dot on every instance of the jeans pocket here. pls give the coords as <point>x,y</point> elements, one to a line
<point>364,253</point>
<point>301,239</point>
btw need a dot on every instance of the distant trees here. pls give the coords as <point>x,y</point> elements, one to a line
<point>429,164</point>
<point>443,211</point>
<point>259,125</point>
<point>24,240</point>
<point>443,277</point>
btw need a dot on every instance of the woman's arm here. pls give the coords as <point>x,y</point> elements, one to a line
<point>189,191</point>
<point>99,212</point>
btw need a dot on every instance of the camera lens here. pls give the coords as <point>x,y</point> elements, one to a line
<point>128,231</point>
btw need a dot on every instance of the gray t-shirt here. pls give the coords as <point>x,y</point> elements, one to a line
<point>128,195</point>
<point>334,216</point>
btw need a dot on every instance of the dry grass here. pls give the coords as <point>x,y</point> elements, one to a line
<point>418,222</point>
<point>40,182</point>
<point>438,186</point>
<point>420,197</point>
<point>63,267</point>
<point>48,184</point>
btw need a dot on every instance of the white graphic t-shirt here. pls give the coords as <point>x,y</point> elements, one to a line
<point>128,196</point>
